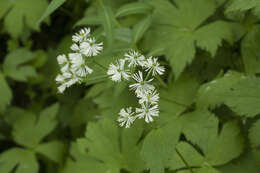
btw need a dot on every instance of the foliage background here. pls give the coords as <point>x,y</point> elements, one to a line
<point>209,120</point>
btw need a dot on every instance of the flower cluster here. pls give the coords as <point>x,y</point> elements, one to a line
<point>73,66</point>
<point>133,68</point>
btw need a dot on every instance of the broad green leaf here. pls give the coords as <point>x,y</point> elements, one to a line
<point>53,150</point>
<point>181,27</point>
<point>103,142</point>
<point>51,8</point>
<point>82,163</point>
<point>192,157</point>
<point>133,8</point>
<point>245,163</point>
<point>177,97</point>
<point>28,10</point>
<point>140,28</point>
<point>130,150</point>
<point>244,97</point>
<point>209,93</point>
<point>23,133</point>
<point>5,92</point>
<point>226,146</point>
<point>14,65</point>
<point>158,146</point>
<point>201,128</point>
<point>254,137</point>
<point>210,37</point>
<point>235,90</point>
<point>241,5</point>
<point>24,160</point>
<point>249,50</point>
<point>204,169</point>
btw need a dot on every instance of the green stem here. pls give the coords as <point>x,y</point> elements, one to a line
<point>101,3</point>
<point>184,161</point>
<point>148,75</point>
<point>161,81</point>
<point>103,67</point>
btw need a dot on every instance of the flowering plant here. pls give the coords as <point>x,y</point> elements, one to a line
<point>128,69</point>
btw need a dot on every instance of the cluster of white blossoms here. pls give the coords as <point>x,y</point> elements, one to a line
<point>73,66</point>
<point>133,68</point>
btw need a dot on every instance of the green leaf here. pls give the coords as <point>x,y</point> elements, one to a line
<point>254,137</point>
<point>177,97</point>
<point>113,156</point>
<point>249,50</point>
<point>53,150</point>
<point>245,163</point>
<point>133,8</point>
<point>14,65</point>
<point>23,133</point>
<point>210,37</point>
<point>108,23</point>
<point>244,97</point>
<point>5,92</point>
<point>226,146</point>
<point>24,10</point>
<point>51,8</point>
<point>82,163</point>
<point>240,5</point>
<point>209,94</point>
<point>181,27</point>
<point>140,28</point>
<point>238,92</point>
<point>158,146</point>
<point>103,142</point>
<point>89,20</point>
<point>24,160</point>
<point>201,127</point>
<point>189,154</point>
<point>130,150</point>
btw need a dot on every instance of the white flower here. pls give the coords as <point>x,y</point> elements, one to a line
<point>72,81</point>
<point>134,58</point>
<point>126,117</point>
<point>154,66</point>
<point>62,88</point>
<point>148,97</point>
<point>147,112</point>
<point>63,80</point>
<point>141,86</point>
<point>75,47</point>
<point>82,35</point>
<point>90,47</point>
<point>63,62</point>
<point>117,71</point>
<point>78,65</point>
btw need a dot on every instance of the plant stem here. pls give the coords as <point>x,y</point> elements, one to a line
<point>148,75</point>
<point>161,81</point>
<point>103,67</point>
<point>184,161</point>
